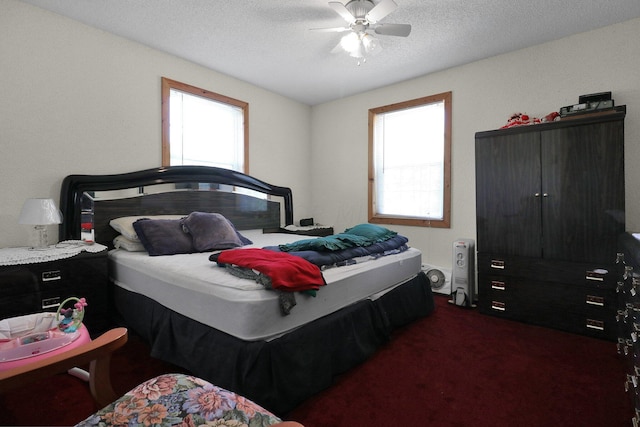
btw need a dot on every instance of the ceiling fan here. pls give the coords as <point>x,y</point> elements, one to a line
<point>363,16</point>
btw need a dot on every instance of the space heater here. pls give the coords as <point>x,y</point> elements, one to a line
<point>463,283</point>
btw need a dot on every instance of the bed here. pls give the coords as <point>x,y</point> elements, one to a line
<point>236,333</point>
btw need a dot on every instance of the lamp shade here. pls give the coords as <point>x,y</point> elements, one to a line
<point>40,212</point>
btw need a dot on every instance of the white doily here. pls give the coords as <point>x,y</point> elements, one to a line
<point>65,249</point>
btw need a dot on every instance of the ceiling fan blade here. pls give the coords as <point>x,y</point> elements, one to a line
<point>401,30</point>
<point>342,11</point>
<point>381,10</point>
<point>330,30</point>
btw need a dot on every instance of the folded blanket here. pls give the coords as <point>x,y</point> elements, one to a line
<point>327,258</point>
<point>360,235</point>
<point>286,271</point>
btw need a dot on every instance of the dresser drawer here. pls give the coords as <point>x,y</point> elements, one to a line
<point>581,309</point>
<point>17,280</point>
<point>588,274</point>
<point>37,287</point>
<point>71,271</point>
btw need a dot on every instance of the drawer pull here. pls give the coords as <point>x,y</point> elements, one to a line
<point>498,285</point>
<point>595,300</point>
<point>595,324</point>
<point>596,275</point>
<point>497,264</point>
<point>51,303</point>
<point>48,276</point>
<point>497,305</point>
<point>631,380</point>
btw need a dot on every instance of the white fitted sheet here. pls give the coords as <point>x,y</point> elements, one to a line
<point>192,285</point>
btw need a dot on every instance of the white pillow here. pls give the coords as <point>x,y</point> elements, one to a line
<point>121,242</point>
<point>124,225</point>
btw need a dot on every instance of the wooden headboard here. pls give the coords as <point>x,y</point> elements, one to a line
<point>171,190</point>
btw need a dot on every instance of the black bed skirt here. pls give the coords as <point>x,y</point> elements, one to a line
<point>281,373</point>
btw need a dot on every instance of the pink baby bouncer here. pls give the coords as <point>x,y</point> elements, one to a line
<point>26,339</point>
<point>38,346</point>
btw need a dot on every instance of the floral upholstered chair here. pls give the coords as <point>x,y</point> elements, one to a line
<point>182,400</point>
<point>167,400</point>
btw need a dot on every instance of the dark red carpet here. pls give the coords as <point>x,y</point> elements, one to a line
<point>454,368</point>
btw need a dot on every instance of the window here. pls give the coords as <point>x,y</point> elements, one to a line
<point>410,162</point>
<point>203,128</point>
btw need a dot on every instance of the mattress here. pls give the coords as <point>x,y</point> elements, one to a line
<point>192,285</point>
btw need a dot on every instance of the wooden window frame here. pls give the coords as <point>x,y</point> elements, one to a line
<point>167,85</point>
<point>377,218</point>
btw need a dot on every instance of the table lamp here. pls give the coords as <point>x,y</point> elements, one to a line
<point>40,213</point>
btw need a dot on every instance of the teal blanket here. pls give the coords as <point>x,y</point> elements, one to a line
<point>360,235</point>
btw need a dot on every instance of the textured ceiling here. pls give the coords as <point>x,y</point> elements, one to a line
<point>268,42</point>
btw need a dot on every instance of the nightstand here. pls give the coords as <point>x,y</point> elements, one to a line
<point>31,286</point>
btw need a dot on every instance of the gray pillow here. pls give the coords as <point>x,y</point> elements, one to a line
<point>163,236</point>
<point>211,231</point>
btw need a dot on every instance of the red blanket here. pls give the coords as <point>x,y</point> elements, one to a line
<point>287,272</point>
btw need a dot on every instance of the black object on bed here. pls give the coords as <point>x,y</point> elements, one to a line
<point>278,373</point>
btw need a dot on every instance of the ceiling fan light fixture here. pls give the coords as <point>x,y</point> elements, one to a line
<point>358,53</point>
<point>359,45</point>
<point>369,42</point>
<point>363,16</point>
<point>351,43</point>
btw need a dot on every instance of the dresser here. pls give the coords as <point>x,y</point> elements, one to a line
<point>35,285</point>
<point>550,208</point>
<point>628,316</point>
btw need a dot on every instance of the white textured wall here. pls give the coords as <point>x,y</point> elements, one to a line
<point>537,81</point>
<point>77,100</point>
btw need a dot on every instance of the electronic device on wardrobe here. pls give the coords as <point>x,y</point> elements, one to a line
<point>463,283</point>
<point>591,103</point>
